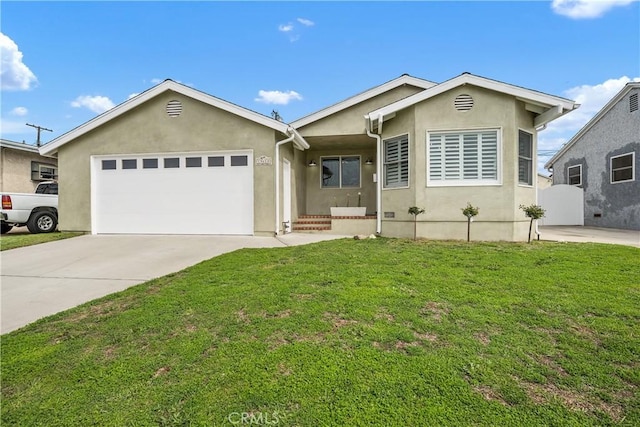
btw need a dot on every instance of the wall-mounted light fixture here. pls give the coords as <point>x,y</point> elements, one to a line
<point>312,163</point>
<point>368,162</point>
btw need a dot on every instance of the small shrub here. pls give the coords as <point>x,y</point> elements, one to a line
<point>470,211</point>
<point>533,212</point>
<point>415,211</point>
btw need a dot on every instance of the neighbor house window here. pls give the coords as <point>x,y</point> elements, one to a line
<point>463,158</point>
<point>622,168</point>
<point>574,175</point>
<point>525,158</point>
<point>396,162</point>
<point>43,172</point>
<point>340,172</point>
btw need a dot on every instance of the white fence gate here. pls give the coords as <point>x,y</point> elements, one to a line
<point>564,205</point>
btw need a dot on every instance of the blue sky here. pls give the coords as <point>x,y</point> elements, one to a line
<point>63,63</point>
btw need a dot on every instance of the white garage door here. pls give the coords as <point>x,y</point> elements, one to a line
<point>186,193</point>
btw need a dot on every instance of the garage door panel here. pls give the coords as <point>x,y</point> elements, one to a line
<point>197,200</point>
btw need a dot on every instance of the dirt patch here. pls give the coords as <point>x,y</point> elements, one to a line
<point>303,297</point>
<point>552,364</point>
<point>337,321</point>
<point>435,309</point>
<point>162,371</point>
<point>283,370</point>
<point>571,399</point>
<point>243,316</point>
<point>382,314</point>
<point>426,336</point>
<point>482,337</point>
<point>490,394</point>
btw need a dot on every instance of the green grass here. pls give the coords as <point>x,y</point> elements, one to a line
<point>12,241</point>
<point>358,333</point>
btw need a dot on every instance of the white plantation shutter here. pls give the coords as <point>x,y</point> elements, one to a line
<point>463,156</point>
<point>396,162</point>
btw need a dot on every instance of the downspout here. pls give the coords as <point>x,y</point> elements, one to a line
<point>378,171</point>
<point>277,160</point>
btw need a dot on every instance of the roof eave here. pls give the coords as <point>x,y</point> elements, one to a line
<point>53,146</point>
<point>405,79</point>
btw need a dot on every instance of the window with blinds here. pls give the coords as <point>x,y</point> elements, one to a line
<point>525,158</point>
<point>396,162</point>
<point>463,158</point>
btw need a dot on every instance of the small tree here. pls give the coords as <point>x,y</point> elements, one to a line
<point>470,211</point>
<point>533,212</point>
<point>415,211</point>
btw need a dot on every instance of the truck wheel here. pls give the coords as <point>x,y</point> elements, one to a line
<point>42,222</point>
<point>5,228</point>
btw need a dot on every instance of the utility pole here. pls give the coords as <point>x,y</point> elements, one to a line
<point>39,129</point>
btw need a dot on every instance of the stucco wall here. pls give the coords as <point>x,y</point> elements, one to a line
<point>319,200</point>
<point>500,217</point>
<point>351,120</point>
<point>15,170</point>
<point>148,129</point>
<point>606,204</point>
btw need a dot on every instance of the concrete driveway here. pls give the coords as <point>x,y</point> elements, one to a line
<point>565,233</point>
<point>41,280</point>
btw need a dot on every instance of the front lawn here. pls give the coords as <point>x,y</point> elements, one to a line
<point>19,240</point>
<point>347,333</point>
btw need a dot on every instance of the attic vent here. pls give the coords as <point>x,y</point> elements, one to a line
<point>174,108</point>
<point>633,103</point>
<point>463,102</point>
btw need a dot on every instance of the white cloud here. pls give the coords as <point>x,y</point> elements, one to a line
<point>592,98</point>
<point>15,75</point>
<point>306,22</point>
<point>277,97</point>
<point>133,95</point>
<point>19,111</point>
<point>586,9</point>
<point>13,127</point>
<point>156,81</point>
<point>97,104</point>
<point>285,28</point>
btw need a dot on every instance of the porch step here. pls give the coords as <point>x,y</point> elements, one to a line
<point>312,223</point>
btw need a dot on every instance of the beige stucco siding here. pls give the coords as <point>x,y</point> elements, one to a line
<point>499,218</point>
<point>351,120</point>
<point>319,200</point>
<point>148,129</point>
<point>15,170</point>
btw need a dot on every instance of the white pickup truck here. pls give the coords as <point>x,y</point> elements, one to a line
<point>38,211</point>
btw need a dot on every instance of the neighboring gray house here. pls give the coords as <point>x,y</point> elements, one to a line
<point>602,159</point>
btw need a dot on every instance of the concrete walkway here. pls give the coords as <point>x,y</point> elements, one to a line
<point>42,280</point>
<point>564,233</point>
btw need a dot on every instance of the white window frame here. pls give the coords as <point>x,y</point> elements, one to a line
<point>468,182</point>
<point>340,157</point>
<point>529,159</point>
<point>53,168</point>
<point>633,167</point>
<point>579,175</point>
<point>384,164</point>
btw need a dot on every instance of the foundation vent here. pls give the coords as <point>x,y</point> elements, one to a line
<point>463,102</point>
<point>174,108</point>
